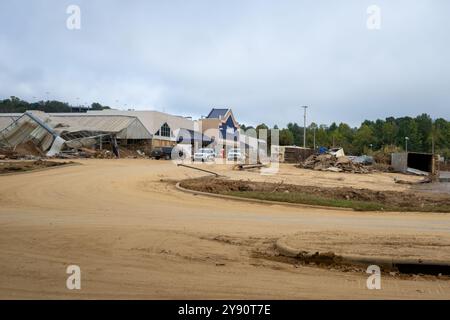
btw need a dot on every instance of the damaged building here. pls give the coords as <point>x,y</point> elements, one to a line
<point>49,134</point>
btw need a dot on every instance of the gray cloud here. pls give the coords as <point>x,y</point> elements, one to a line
<point>262,58</point>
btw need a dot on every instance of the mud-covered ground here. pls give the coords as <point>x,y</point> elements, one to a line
<point>135,236</point>
<point>384,200</point>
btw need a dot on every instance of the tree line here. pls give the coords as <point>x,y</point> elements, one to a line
<point>423,134</point>
<point>16,105</point>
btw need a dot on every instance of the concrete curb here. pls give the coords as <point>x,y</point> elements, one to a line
<point>258,201</point>
<point>285,250</point>
<point>39,170</point>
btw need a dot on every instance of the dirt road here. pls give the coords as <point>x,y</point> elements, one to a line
<point>134,236</point>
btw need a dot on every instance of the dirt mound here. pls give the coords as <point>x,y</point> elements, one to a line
<point>360,199</point>
<point>328,162</point>
<point>21,166</point>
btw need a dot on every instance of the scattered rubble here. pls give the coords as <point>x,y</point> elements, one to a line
<point>23,151</point>
<point>100,154</point>
<point>329,162</point>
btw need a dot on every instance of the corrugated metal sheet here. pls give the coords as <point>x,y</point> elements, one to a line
<point>26,129</point>
<point>7,119</point>
<point>126,127</point>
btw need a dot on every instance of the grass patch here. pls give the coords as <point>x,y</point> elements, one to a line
<point>308,199</point>
<point>304,198</point>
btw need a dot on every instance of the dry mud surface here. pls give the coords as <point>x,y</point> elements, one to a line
<point>135,236</point>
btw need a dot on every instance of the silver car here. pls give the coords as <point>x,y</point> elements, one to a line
<point>235,154</point>
<point>204,154</point>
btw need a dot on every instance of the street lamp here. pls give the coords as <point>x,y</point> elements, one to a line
<point>406,144</point>
<point>304,127</point>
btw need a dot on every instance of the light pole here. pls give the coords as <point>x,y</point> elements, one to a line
<point>304,126</point>
<point>406,144</point>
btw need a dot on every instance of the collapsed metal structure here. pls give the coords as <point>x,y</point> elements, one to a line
<point>52,135</point>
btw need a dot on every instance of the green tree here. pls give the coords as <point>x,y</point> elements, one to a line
<point>286,137</point>
<point>364,137</point>
<point>389,131</point>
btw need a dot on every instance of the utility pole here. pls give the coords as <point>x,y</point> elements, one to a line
<point>304,127</point>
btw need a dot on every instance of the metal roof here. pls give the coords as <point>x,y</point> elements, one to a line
<point>152,120</point>
<point>217,113</point>
<point>126,127</point>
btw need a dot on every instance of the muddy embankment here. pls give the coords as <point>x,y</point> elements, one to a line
<point>23,166</point>
<point>347,197</point>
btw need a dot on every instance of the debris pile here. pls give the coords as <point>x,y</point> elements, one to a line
<point>329,162</point>
<point>23,151</point>
<point>99,154</point>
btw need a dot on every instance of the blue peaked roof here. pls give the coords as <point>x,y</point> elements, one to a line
<point>217,113</point>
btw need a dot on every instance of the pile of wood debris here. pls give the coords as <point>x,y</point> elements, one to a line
<point>328,162</point>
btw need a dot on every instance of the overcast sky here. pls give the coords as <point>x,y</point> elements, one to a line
<point>264,59</point>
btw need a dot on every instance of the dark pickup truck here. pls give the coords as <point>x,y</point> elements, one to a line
<point>161,153</point>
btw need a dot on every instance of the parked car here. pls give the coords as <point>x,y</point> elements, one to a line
<point>204,154</point>
<point>235,154</point>
<point>161,153</point>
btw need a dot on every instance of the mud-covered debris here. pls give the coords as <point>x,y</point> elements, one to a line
<point>329,162</point>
